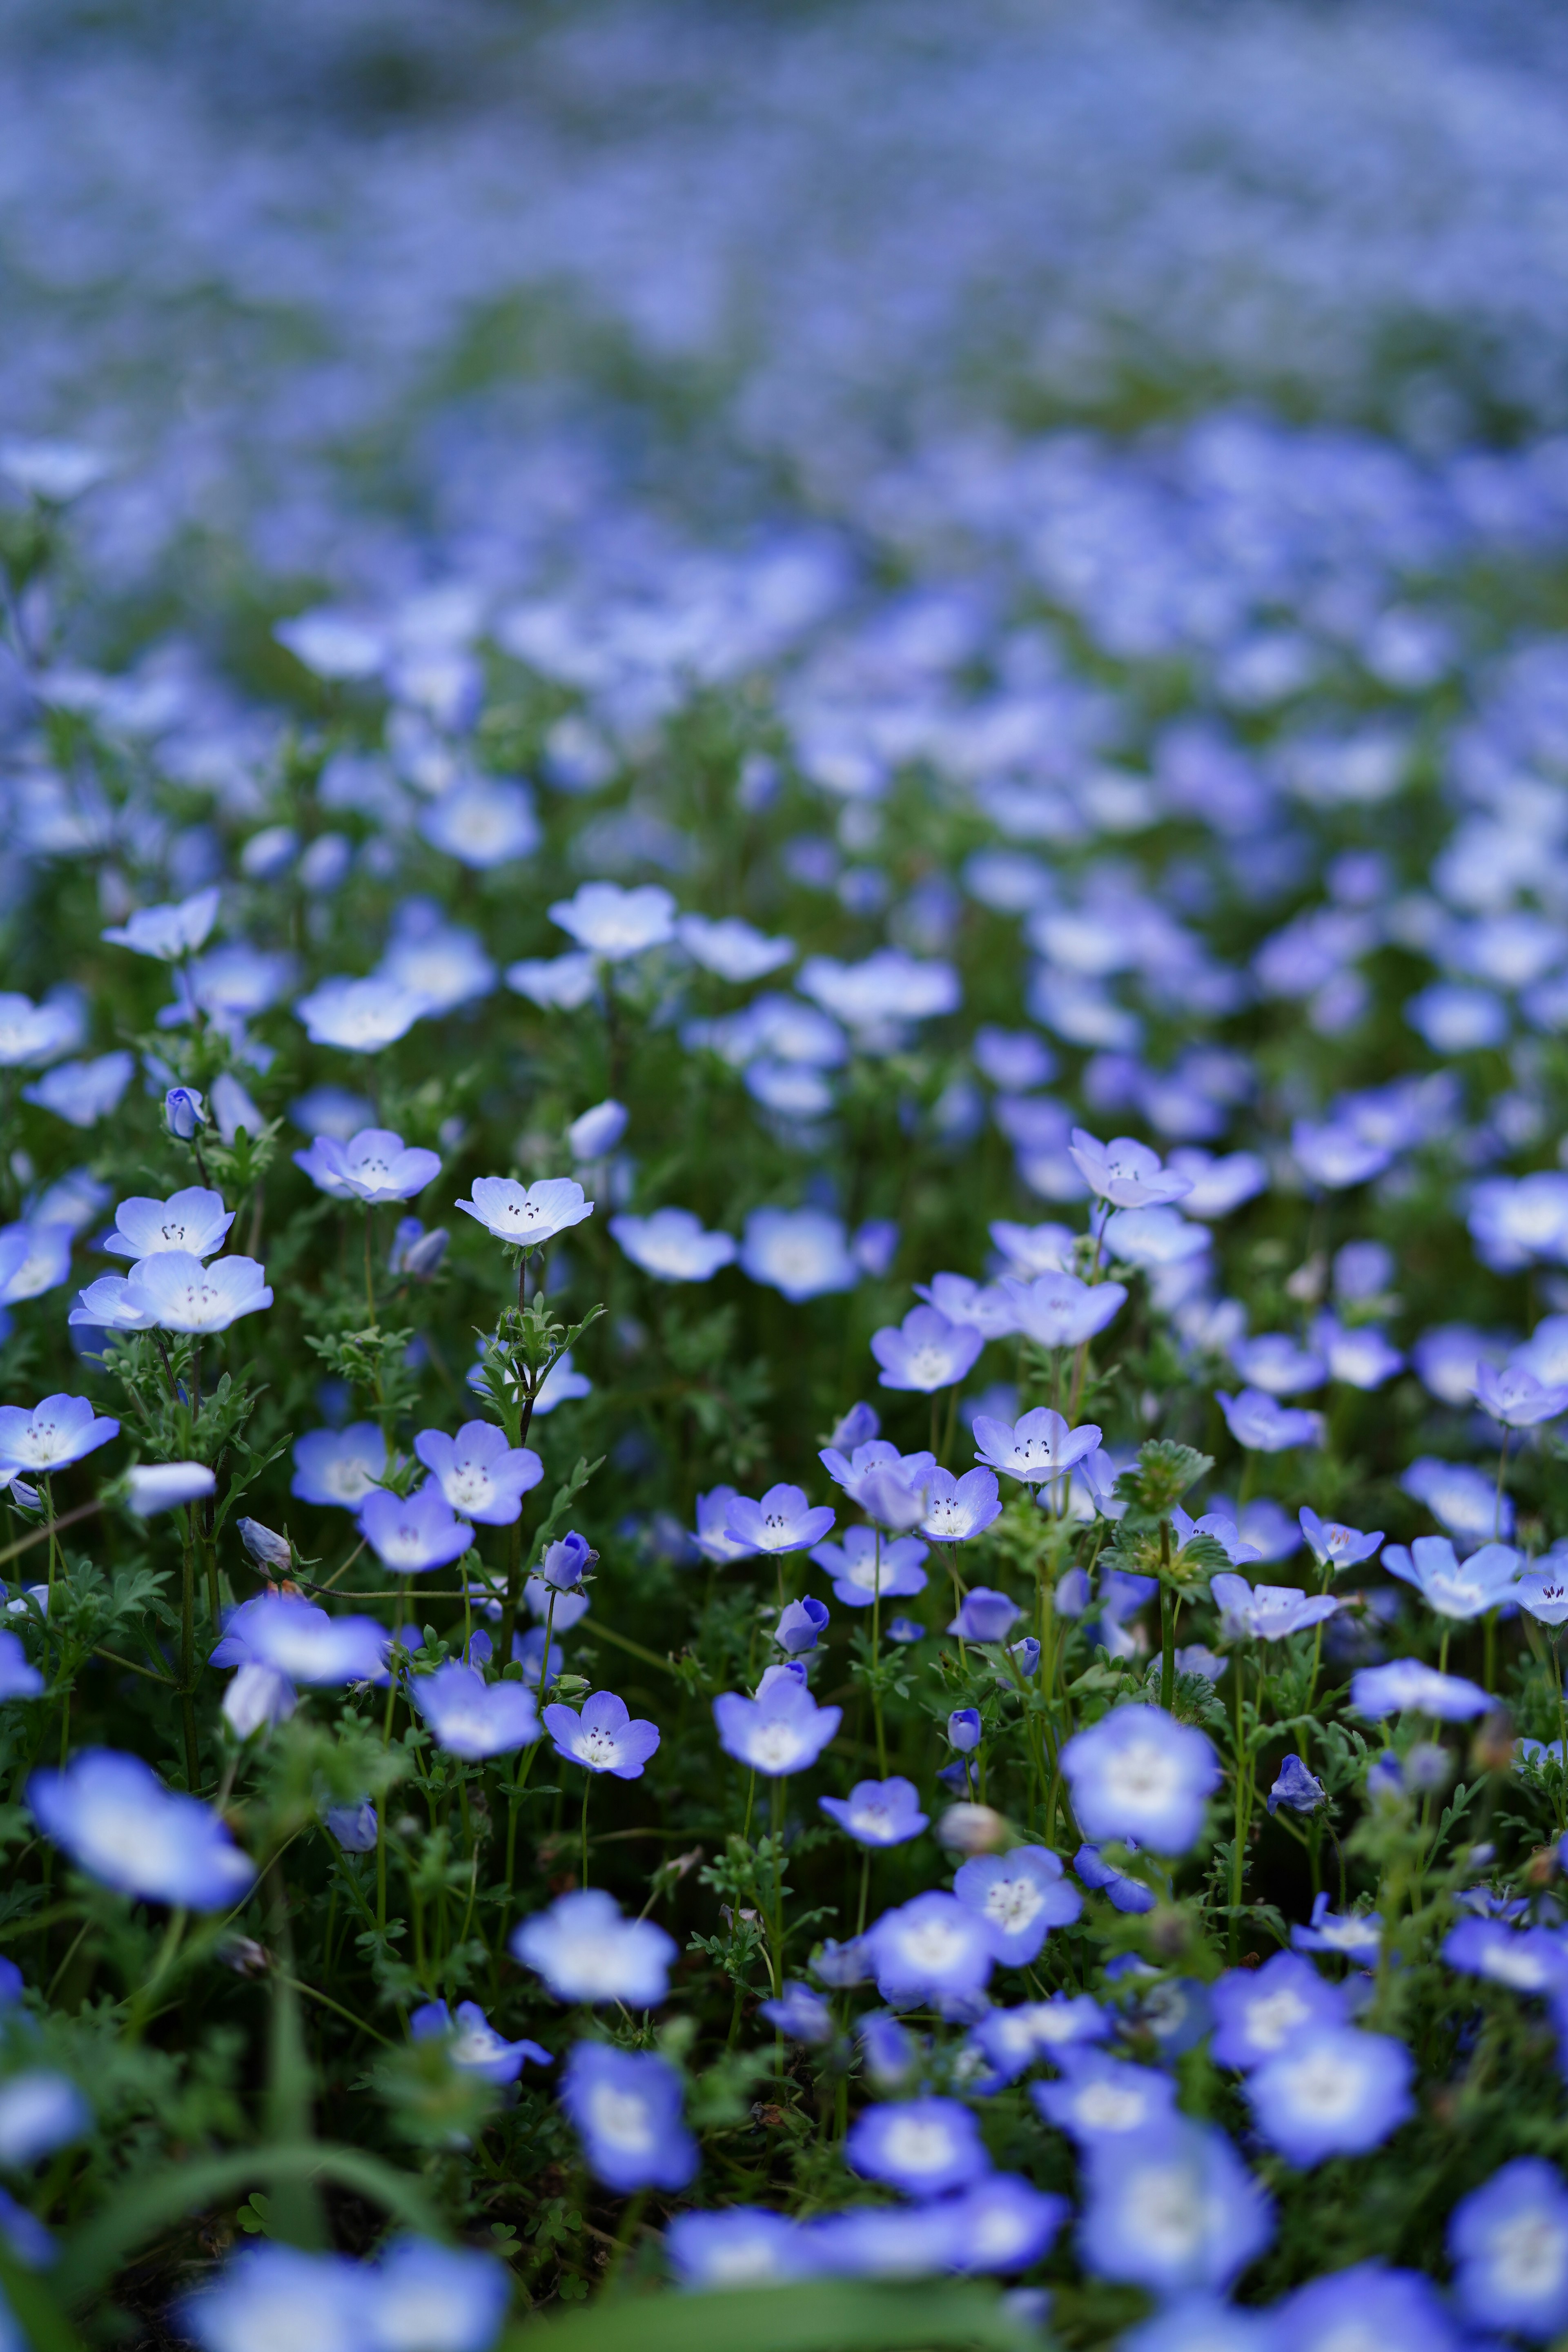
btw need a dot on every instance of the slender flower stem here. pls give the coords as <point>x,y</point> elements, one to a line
<point>1167,1622</point>
<point>587,1784</point>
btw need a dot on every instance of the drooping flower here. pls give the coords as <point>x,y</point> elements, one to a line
<point>373,1166</point>
<point>527,1215</point>
<point>672,1246</point>
<point>194,1220</point>
<point>479,1473</point>
<point>625,2107</point>
<point>586,1951</point>
<point>473,2045</point>
<point>780,1730</point>
<point>922,2147</point>
<point>604,1738</point>
<point>1333,2091</point>
<point>473,1718</point>
<point>799,1626</point>
<point>1298,1791</point>
<point>1020,1897</point>
<point>116,1820</point>
<point>1137,1773</point>
<point>875,1813</point>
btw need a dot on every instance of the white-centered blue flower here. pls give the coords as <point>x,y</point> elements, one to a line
<point>1138,1773</point>
<point>1332,2091</point>
<point>586,1951</point>
<point>614,924</point>
<point>672,1246</point>
<point>117,1821</point>
<point>803,1253</point>
<point>195,1219</point>
<point>360,1016</point>
<point>168,933</point>
<point>529,1215</point>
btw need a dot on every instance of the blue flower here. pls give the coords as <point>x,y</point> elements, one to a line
<point>1138,1773</point>
<point>296,1639</point>
<point>932,1949</point>
<point>1019,1896</point>
<point>744,2245</point>
<point>604,1738</point>
<point>374,1166</point>
<point>117,1821</point>
<point>1264,1426</point>
<point>608,922</point>
<point>527,1216</point>
<point>473,2045</point>
<point>339,1466</point>
<point>1200,2323</point>
<point>1268,1613</point>
<point>1001,2223</point>
<point>867,1565</point>
<point>957,1510</point>
<point>428,2298</point>
<point>1509,2243</point>
<point>168,933</point>
<point>905,1629</point>
<point>782,1730</point>
<point>800,1623</point>
<point>782,1521</point>
<point>82,1092</point>
<point>964,1729</point>
<point>673,1246</point>
<point>1357,1934</point>
<point>1526,1960</point>
<point>1059,1310</point>
<point>472,1719</point>
<point>360,1016</point>
<point>1259,2012</point>
<point>413,1534</point>
<point>1040,1446</point>
<point>19,1679</point>
<point>1297,1789</point>
<point>586,1951</point>
<point>1332,2092</point>
<point>1124,1893</point>
<point>1015,2039</point>
<point>1334,1545</point>
<point>919,2146</point>
<point>272,2294</point>
<point>875,1813</point>
<point>801,2013</point>
<point>926,1353</point>
<point>479,1473</point>
<point>1458,1591</point>
<point>1100,2099</point>
<point>39,2111</point>
<point>1366,2304</point>
<point>1173,2209</point>
<point>803,1253</point>
<point>59,1431</point>
<point>985,1615</point>
<point>1405,1684</point>
<point>626,2108</point>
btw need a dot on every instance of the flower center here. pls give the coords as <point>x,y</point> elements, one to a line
<point>1107,2106</point>
<point>621,2118</point>
<point>1013,1903</point>
<point>1271,2021</point>
<point>1528,2254</point>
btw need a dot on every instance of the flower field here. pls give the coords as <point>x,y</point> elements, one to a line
<point>784,1178</point>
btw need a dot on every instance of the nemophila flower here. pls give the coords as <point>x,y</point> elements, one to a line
<point>1276,1363</point>
<point>1259,2012</point>
<point>339,1466</point>
<point>1002,2225</point>
<point>1200,2323</point>
<point>1040,1446</point>
<point>271,2295</point>
<point>905,1629</point>
<point>598,1131</point>
<point>1020,1897</point>
<point>1137,1773</point>
<point>1335,1546</point>
<point>529,1215</point>
<point>59,1431</point>
<point>803,1253</point>
<point>1515,1222</point>
<point>117,1821</point>
<point>39,2111</point>
<point>1122,1891</point>
<point>1159,1239</point>
<point>742,2245</point>
<point>1263,1426</point>
<point>185,1112</point>
<point>886,2242</point>
<point>302,1642</point>
<point>1266,1612</point>
<point>799,1626</point>
<point>1298,1791</point>
<point>566,1561</point>
<point>1526,1960</point>
<point>176,1292</point>
<point>731,948</point>
<point>586,1951</point>
<point>1219,1182</point>
<point>430,2298</point>
<point>1192,1658</point>
<point>1057,1310</point>
<point>374,1166</point>
<point>354,1827</point>
<point>1332,1155</point>
<point>195,1221</point>
<point>1355,1935</point>
<point>1509,2243</point>
<point>1367,2308</point>
<point>34,1258</point>
<point>413,1534</point>
<point>20,1680</point>
<point>542,1601</point>
<point>360,1016</point>
<point>1125,1172</point>
<point>875,1813</point>
<point>933,1948</point>
<point>926,1353</point>
<point>800,2014</point>
<point>561,983</point>
<point>1332,2091</point>
<point>1461,1499</point>
<point>479,1473</point>
<point>416,1253</point>
<point>483,821</point>
<point>1358,1354</point>
<point>921,2147</point>
<point>605,1737</point>
<point>782,1730</point>
<point>257,1696</point>
<point>842,1965</point>
<point>154,1486</point>
<point>1100,2098</point>
<point>1012,2040</point>
<point>782,1521</point>
<point>889,2052</point>
<point>472,1719</point>
<point>985,1616</point>
<point>1455,1589</point>
<point>168,933</point>
<point>964,1729</point>
<point>612,923</point>
<point>626,2108</point>
<point>1222,1528</point>
<point>1173,2209</point>
<point>713,1537</point>
<point>472,2042</point>
<point>37,1032</point>
<point>982,1308</point>
<point>82,1092</point>
<point>1030,1250</point>
<point>1516,1399</point>
<point>875,1471</point>
<point>1543,1592</point>
<point>958,1509</point>
<point>672,1246</point>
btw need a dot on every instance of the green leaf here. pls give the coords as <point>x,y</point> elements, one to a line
<point>836,2315</point>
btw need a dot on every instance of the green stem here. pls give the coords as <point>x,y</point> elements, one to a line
<point>1167,1622</point>
<point>587,1784</point>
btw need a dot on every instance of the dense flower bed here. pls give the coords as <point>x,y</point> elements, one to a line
<point>785,1270</point>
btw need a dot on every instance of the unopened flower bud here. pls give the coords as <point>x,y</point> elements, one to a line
<point>268,1550</point>
<point>972,1828</point>
<point>964,1729</point>
<point>566,1563</point>
<point>598,1130</point>
<point>185,1111</point>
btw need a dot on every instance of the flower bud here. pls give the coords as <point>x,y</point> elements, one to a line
<point>185,1111</point>
<point>799,1624</point>
<point>964,1729</point>
<point>972,1829</point>
<point>268,1550</point>
<point>566,1563</point>
<point>598,1130</point>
